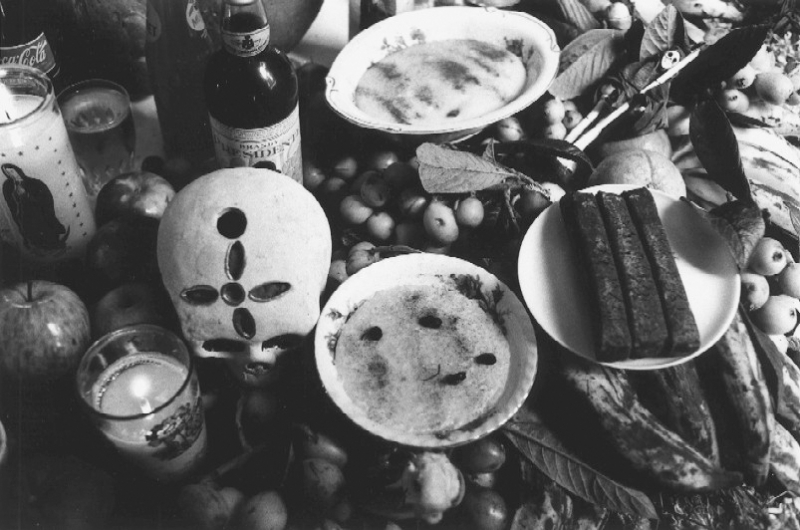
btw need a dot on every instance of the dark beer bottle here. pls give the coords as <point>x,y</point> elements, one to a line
<point>23,41</point>
<point>252,95</point>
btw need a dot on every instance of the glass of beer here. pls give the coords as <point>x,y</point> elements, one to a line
<point>97,113</point>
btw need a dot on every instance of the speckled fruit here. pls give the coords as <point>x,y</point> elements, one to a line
<point>789,280</point>
<point>777,316</point>
<point>768,257</point>
<point>773,87</point>
<point>755,290</point>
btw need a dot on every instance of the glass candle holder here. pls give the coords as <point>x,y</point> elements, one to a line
<point>97,113</point>
<point>44,209</point>
<point>142,393</point>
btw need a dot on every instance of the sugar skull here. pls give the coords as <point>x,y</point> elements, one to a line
<point>244,254</point>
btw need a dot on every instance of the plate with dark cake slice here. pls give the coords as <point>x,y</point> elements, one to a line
<point>628,277</point>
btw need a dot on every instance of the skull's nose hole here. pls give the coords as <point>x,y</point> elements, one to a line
<point>283,342</point>
<point>268,291</point>
<point>234,261</point>
<point>372,334</point>
<point>232,223</point>
<point>430,321</point>
<point>243,323</point>
<point>224,345</point>
<point>232,294</point>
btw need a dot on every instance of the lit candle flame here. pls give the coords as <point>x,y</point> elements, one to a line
<point>140,387</point>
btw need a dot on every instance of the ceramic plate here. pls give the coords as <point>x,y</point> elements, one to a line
<point>428,270</point>
<point>550,283</point>
<point>526,36</point>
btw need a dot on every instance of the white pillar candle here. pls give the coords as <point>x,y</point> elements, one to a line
<point>44,209</point>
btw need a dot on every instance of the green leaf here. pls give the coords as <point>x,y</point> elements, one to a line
<point>446,170</point>
<point>663,33</point>
<point>742,225</point>
<point>718,62</point>
<point>585,60</point>
<point>538,444</point>
<point>578,15</point>
<point>717,148</point>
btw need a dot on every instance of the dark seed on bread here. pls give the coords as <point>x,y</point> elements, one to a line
<point>645,314</point>
<point>588,239</point>
<point>684,337</point>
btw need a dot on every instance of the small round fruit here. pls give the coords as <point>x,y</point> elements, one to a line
<point>207,506</point>
<point>768,257</point>
<point>309,443</point>
<point>353,210</point>
<point>482,456</point>
<point>361,255</point>
<point>530,204</point>
<point>743,78</point>
<point>597,6</point>
<point>554,131</point>
<point>555,191</point>
<point>410,233</point>
<point>773,87</point>
<point>755,290</point>
<point>440,223</point>
<point>345,167</point>
<point>381,160</point>
<point>789,280</point>
<point>777,316</point>
<point>380,226</point>
<point>401,175</point>
<point>322,484</point>
<point>484,509</point>
<point>553,111</point>
<point>412,203</point>
<point>678,120</point>
<point>313,176</point>
<point>509,130</point>
<point>332,186</point>
<point>733,100</point>
<point>618,16</point>
<point>375,191</point>
<point>265,510</point>
<point>483,480</point>
<point>338,270</point>
<point>469,212</point>
<point>763,60</point>
<point>781,342</point>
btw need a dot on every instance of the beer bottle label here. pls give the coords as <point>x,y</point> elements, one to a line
<point>36,53</point>
<point>277,145</point>
<point>246,44</point>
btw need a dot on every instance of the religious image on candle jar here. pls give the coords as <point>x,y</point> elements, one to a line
<point>143,395</point>
<point>44,210</point>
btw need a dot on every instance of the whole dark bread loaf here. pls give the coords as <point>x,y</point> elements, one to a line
<point>684,337</point>
<point>643,303</point>
<point>589,242</point>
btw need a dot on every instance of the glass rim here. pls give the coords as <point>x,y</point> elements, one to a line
<point>15,70</point>
<point>91,83</point>
<point>113,335</point>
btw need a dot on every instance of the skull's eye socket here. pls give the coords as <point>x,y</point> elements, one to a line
<point>232,293</point>
<point>268,291</point>
<point>232,223</point>
<point>234,261</point>
<point>244,323</point>
<point>200,295</point>
<point>283,342</point>
<point>225,345</point>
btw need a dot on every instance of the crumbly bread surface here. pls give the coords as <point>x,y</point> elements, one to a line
<point>423,359</point>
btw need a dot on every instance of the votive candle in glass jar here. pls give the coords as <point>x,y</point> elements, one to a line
<point>142,393</point>
<point>44,208</point>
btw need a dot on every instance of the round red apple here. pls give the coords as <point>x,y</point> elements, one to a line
<point>44,330</point>
<point>138,192</point>
<point>126,305</point>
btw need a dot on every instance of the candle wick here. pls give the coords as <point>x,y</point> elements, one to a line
<point>8,116</point>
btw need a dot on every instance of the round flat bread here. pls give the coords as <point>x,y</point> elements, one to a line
<point>421,358</point>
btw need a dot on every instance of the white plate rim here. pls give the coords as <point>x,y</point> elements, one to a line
<point>529,287</point>
<point>413,269</point>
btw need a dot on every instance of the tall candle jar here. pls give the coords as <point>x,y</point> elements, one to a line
<point>142,393</point>
<point>44,210</point>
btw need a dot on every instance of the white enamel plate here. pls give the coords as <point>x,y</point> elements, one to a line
<point>551,286</point>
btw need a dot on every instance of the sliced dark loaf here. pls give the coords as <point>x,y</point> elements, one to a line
<point>643,304</point>
<point>587,236</point>
<point>684,337</point>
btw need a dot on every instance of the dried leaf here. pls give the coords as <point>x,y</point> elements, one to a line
<point>742,225</point>
<point>585,61</point>
<point>665,32</point>
<point>445,170</point>
<point>796,225</point>
<point>718,62</point>
<point>717,148</point>
<point>542,448</point>
<point>770,359</point>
